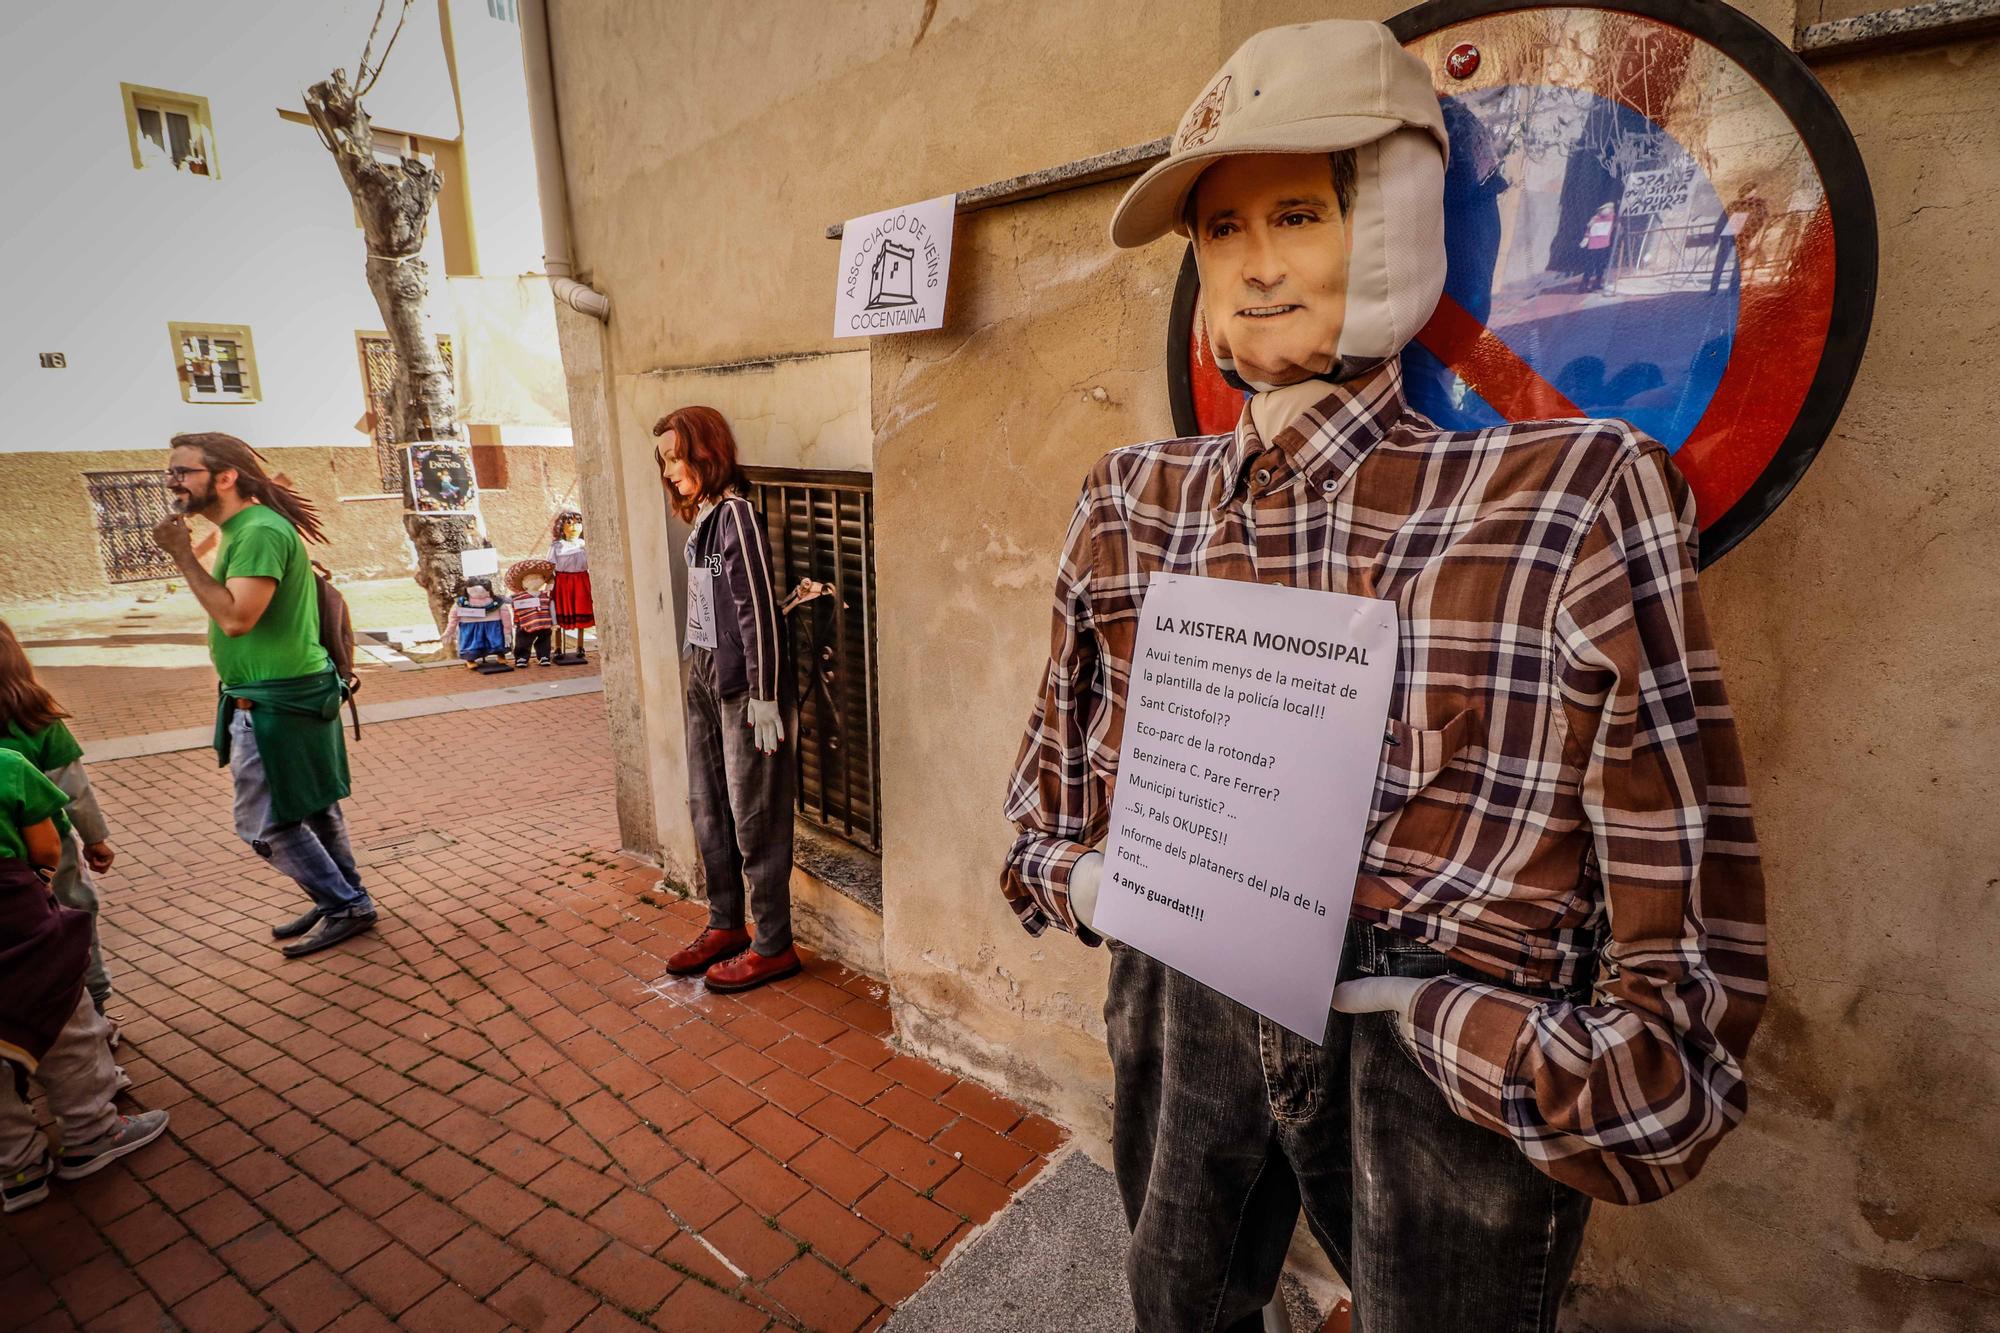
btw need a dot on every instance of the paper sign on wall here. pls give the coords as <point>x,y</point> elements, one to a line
<point>1253,731</point>
<point>893,270</point>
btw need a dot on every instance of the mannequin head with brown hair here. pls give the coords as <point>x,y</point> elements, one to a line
<point>696,452</point>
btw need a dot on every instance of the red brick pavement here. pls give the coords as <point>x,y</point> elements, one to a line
<point>495,1111</point>
<point>109,701</point>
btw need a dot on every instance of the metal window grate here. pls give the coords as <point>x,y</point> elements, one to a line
<point>378,373</point>
<point>821,526</point>
<point>125,507</point>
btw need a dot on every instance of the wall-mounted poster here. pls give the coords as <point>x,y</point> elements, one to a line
<point>440,478</point>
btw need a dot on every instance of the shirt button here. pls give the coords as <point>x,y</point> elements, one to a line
<point>1263,475</point>
<point>1328,486</point>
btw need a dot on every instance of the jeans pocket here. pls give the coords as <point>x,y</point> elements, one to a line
<point>1402,1040</point>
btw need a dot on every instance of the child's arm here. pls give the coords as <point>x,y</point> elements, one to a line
<point>85,816</point>
<point>44,847</point>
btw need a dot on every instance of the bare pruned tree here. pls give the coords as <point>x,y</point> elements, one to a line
<point>393,200</point>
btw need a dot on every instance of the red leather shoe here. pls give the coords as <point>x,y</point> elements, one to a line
<point>709,946</point>
<point>750,968</point>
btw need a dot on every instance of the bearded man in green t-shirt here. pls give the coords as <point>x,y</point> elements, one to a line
<point>278,713</point>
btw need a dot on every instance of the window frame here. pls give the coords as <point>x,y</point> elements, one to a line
<point>201,128</point>
<point>253,386</point>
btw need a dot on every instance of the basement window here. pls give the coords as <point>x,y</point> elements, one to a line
<point>169,131</point>
<point>215,363</point>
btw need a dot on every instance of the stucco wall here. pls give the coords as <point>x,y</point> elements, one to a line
<point>1855,626</point>
<point>1052,358</point>
<point>49,547</point>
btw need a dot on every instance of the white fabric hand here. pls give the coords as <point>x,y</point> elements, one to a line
<point>1378,995</point>
<point>1085,878</point>
<point>769,728</point>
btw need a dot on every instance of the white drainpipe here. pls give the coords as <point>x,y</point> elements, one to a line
<point>549,165</point>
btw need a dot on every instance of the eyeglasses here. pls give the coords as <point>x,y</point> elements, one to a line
<point>176,473</point>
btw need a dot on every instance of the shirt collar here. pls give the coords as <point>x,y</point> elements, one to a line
<point>1329,440</point>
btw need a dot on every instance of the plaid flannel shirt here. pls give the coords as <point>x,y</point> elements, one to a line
<point>1560,799</point>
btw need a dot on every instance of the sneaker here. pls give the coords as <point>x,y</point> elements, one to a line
<point>332,930</point>
<point>120,1080</point>
<point>708,947</point>
<point>751,969</point>
<point>27,1187</point>
<point>131,1133</point>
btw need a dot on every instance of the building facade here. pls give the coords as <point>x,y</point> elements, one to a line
<point>705,159</point>
<point>197,265</point>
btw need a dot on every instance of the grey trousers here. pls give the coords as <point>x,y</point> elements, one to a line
<point>741,804</point>
<point>73,887</point>
<point>81,1081</point>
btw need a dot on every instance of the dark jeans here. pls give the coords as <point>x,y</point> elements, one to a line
<point>537,639</point>
<point>741,803</point>
<point>1226,1123</point>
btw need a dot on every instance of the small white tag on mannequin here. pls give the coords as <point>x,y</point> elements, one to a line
<point>1253,734</point>
<point>701,601</point>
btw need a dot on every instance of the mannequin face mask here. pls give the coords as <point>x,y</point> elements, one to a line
<point>1272,246</point>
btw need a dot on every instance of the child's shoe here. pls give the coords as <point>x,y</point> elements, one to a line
<point>26,1187</point>
<point>131,1133</point>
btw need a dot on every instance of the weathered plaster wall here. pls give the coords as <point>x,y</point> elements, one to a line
<point>49,546</point>
<point>983,435</point>
<point>1855,626</point>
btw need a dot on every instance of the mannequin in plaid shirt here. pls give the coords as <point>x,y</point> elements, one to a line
<point>1556,956</point>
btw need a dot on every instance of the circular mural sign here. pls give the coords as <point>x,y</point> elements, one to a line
<point>1652,212</point>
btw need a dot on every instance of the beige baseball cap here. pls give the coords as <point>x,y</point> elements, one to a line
<point>1308,88</point>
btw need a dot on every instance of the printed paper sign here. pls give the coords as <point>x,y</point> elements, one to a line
<point>479,560</point>
<point>1253,731</point>
<point>893,270</point>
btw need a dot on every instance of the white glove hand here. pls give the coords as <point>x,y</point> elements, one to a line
<point>1377,995</point>
<point>762,718</point>
<point>1085,877</point>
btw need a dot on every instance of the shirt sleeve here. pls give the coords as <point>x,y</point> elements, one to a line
<point>258,552</point>
<point>59,747</point>
<point>1057,804</point>
<point>746,564</point>
<point>84,814</point>
<point>1624,1097</point>
<point>35,798</point>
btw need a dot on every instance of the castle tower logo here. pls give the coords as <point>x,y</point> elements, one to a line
<point>889,277</point>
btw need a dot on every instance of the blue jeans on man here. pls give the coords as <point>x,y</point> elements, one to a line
<point>314,851</point>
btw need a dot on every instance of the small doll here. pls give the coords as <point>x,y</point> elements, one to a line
<point>534,610</point>
<point>482,624</point>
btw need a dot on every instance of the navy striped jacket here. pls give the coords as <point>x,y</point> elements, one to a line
<point>749,644</point>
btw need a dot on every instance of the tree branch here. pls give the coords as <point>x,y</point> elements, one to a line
<point>366,76</point>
